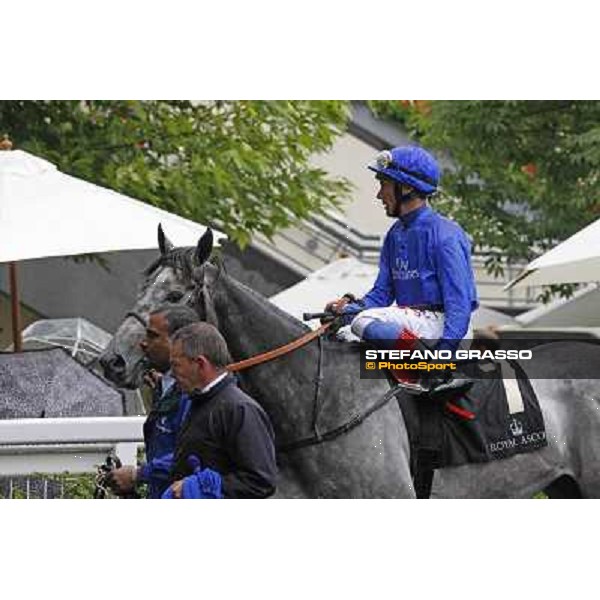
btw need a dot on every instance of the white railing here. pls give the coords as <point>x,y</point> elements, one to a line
<point>74,445</point>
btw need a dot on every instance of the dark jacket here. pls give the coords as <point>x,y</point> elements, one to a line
<point>231,434</point>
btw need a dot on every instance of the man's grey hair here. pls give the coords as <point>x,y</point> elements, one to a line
<point>203,339</point>
<point>176,316</point>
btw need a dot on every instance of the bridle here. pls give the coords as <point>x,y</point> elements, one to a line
<point>186,300</point>
<point>143,322</point>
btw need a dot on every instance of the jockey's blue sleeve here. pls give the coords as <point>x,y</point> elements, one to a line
<point>456,281</point>
<point>382,293</point>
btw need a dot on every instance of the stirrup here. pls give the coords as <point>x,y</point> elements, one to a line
<point>453,386</point>
<point>412,387</point>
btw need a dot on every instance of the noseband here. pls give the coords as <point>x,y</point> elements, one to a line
<point>137,317</point>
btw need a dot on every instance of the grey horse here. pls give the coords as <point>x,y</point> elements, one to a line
<point>344,437</point>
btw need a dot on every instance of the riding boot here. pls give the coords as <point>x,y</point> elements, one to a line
<point>437,383</point>
<point>432,384</point>
<point>445,383</point>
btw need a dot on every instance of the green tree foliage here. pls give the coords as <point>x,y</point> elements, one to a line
<point>520,176</point>
<point>241,166</point>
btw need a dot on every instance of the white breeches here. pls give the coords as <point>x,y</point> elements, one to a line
<point>426,324</point>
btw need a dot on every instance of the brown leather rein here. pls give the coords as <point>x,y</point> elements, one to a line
<point>277,352</point>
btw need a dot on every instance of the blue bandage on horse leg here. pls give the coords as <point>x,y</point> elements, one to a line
<point>382,334</point>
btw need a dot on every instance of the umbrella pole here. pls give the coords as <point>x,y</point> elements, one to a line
<point>6,146</point>
<point>16,307</point>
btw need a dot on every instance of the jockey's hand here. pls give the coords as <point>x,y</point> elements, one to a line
<point>122,480</point>
<point>337,306</point>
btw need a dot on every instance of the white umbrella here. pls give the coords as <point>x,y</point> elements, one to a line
<point>44,213</point>
<point>576,260</point>
<point>581,310</point>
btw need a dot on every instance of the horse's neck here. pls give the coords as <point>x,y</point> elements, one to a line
<point>251,325</point>
<point>316,384</point>
<point>249,322</point>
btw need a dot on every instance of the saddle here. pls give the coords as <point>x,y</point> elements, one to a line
<point>498,417</point>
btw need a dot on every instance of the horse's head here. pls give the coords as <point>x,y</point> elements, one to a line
<point>168,280</point>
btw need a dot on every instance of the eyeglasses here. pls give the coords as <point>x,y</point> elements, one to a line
<point>384,160</point>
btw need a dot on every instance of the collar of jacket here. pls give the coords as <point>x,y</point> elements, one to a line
<point>408,219</point>
<point>198,396</point>
<point>167,382</point>
<point>166,399</point>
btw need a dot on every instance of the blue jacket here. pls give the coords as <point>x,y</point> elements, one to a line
<point>426,260</point>
<point>169,408</point>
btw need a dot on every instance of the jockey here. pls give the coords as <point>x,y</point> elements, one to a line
<point>425,292</point>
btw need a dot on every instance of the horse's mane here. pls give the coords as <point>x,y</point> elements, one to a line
<point>259,299</point>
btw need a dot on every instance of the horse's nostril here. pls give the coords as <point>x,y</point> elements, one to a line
<point>113,364</point>
<point>118,361</point>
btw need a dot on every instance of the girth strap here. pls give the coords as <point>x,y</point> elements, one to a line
<point>354,421</point>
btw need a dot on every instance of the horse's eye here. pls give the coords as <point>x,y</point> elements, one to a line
<point>174,296</point>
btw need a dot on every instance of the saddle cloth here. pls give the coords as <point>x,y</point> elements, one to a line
<point>505,419</point>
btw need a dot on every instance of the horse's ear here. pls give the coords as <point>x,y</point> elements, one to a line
<point>164,243</point>
<point>204,247</point>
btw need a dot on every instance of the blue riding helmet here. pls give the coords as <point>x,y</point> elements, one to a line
<point>410,165</point>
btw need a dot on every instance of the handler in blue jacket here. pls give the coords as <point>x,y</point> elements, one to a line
<point>225,447</point>
<point>425,289</point>
<point>168,408</point>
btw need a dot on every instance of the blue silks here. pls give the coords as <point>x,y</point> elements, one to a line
<point>203,484</point>
<point>426,261</point>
